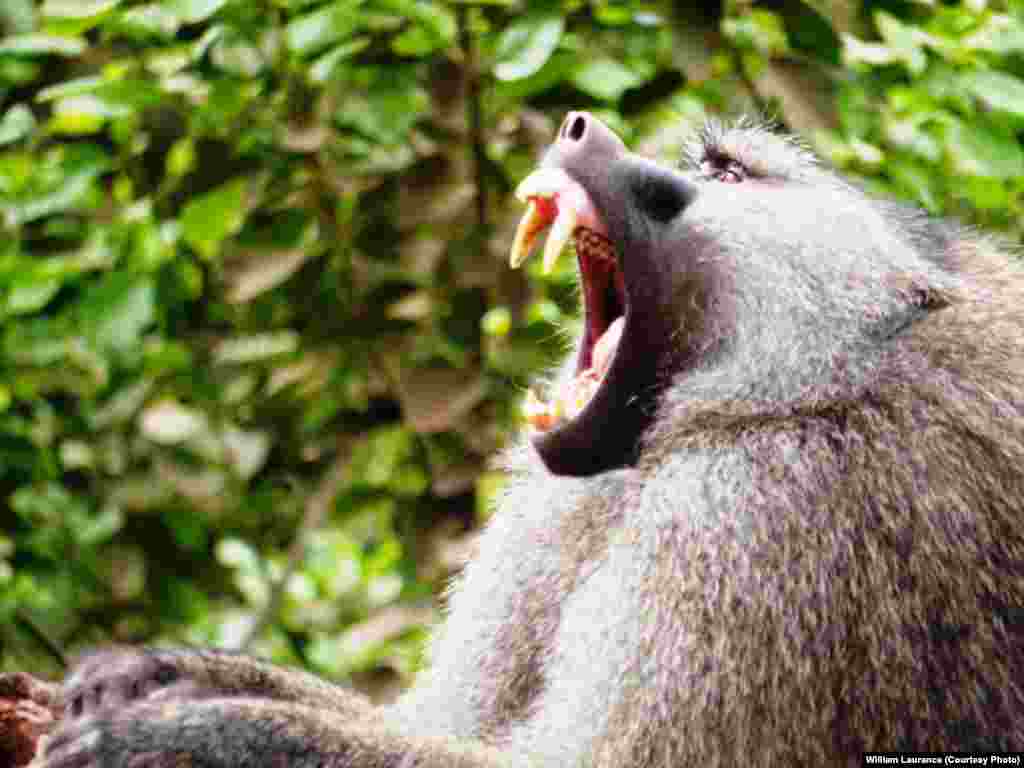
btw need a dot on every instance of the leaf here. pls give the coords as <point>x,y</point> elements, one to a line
<point>48,503</point>
<point>251,349</point>
<point>76,454</point>
<point>987,194</point>
<point>759,30</point>
<point>208,38</point>
<point>29,293</point>
<point>17,15</point>
<point>114,312</point>
<point>975,150</point>
<point>496,322</point>
<point>181,158</point>
<point>415,41</point>
<point>150,20</point>
<point>236,56</point>
<point>435,399</point>
<point>102,527</point>
<point>910,134</point>
<point>262,272</point>
<point>1000,34</point>
<point>915,180</point>
<point>247,450</point>
<point>134,93</point>
<point>376,459</point>
<point>41,45</point>
<point>902,41</point>
<point>17,123</point>
<point>37,343</point>
<point>613,14</point>
<point>84,114</point>
<point>386,111</point>
<point>80,168</point>
<point>76,17</point>
<point>236,553</point>
<point>325,26</point>
<point>69,88</point>
<point>168,422</point>
<point>856,52</point>
<point>208,220</point>
<point>605,78</point>
<point>76,123</point>
<point>120,407</point>
<point>432,27</point>
<point>77,9</point>
<point>167,62</point>
<point>527,44</point>
<point>194,11</point>
<point>323,66</point>
<point>996,90</point>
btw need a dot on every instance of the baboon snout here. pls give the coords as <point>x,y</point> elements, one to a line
<point>583,134</point>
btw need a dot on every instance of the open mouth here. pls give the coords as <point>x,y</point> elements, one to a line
<point>554,199</point>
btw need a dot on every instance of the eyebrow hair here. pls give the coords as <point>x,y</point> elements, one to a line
<point>753,144</point>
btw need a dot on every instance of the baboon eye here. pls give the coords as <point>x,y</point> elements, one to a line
<point>723,169</point>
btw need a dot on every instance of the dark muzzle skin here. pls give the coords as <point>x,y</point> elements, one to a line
<point>641,205</point>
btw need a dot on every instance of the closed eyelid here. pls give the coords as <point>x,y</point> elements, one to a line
<point>716,162</point>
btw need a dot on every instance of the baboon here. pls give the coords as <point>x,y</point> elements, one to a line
<point>770,513</point>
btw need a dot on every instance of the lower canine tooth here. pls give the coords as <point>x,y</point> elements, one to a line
<point>560,233</point>
<point>538,414</point>
<point>580,393</point>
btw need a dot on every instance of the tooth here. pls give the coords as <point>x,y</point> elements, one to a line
<point>560,233</point>
<point>580,394</point>
<point>540,415</point>
<point>544,182</point>
<point>531,223</point>
<point>533,405</point>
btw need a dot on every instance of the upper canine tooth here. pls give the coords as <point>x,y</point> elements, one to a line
<point>560,233</point>
<point>544,182</point>
<point>531,223</point>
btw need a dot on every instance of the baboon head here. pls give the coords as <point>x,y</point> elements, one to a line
<point>750,274</point>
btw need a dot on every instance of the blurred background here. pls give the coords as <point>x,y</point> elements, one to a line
<point>259,342</point>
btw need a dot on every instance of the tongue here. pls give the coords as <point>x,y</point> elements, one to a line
<point>573,397</point>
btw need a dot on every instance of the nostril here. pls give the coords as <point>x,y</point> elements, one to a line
<point>582,138</point>
<point>574,128</point>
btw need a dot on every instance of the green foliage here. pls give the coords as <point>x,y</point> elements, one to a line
<point>258,339</point>
<point>940,98</point>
